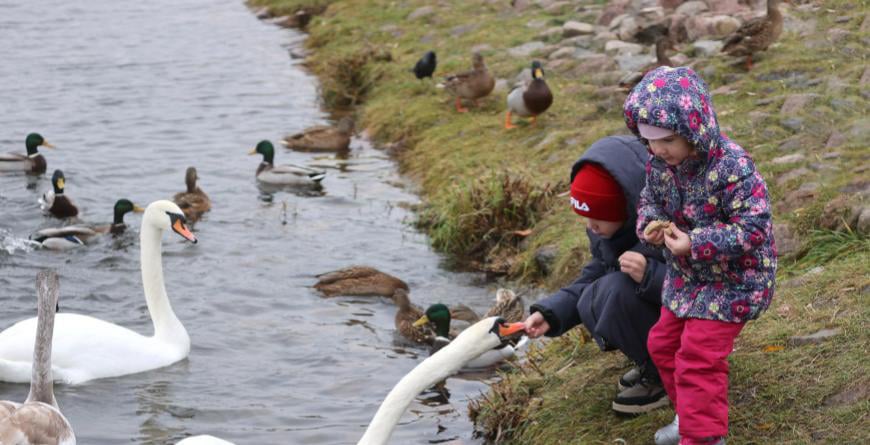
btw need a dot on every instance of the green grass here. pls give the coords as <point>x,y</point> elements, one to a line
<point>363,50</point>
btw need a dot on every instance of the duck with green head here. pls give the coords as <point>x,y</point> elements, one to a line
<point>285,174</point>
<point>32,162</point>
<point>77,235</point>
<point>439,315</point>
<point>55,202</point>
<point>529,99</point>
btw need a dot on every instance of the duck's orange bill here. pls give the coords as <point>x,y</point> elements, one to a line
<point>509,329</point>
<point>181,229</point>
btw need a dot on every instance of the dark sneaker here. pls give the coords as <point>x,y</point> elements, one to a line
<point>669,434</point>
<point>646,395</point>
<point>629,379</point>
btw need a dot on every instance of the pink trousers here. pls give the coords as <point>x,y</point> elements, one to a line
<point>692,358</point>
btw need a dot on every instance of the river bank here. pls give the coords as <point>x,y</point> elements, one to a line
<point>492,196</point>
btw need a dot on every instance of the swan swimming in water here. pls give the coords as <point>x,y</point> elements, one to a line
<point>87,348</point>
<point>471,343</point>
<point>38,420</point>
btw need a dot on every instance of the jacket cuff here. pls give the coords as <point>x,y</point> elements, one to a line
<point>550,318</point>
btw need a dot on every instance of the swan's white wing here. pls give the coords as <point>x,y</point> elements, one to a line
<point>84,348</point>
<point>204,440</point>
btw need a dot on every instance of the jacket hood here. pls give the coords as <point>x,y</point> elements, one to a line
<point>624,157</point>
<point>676,99</point>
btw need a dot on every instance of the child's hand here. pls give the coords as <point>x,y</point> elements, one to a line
<point>633,264</point>
<point>536,325</point>
<point>678,242</point>
<point>653,233</point>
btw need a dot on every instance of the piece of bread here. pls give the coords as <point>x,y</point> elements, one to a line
<point>656,225</point>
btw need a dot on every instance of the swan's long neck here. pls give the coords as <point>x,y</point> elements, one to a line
<point>467,346</point>
<point>166,324</point>
<point>41,381</point>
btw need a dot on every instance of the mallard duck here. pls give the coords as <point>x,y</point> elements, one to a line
<point>194,202</point>
<point>756,34</point>
<point>439,315</point>
<point>529,99</point>
<point>322,137</point>
<point>508,306</point>
<point>406,317</point>
<point>471,85</point>
<point>287,174</point>
<point>77,235</point>
<point>38,420</point>
<point>32,162</point>
<point>663,44</point>
<point>55,202</point>
<point>425,66</point>
<point>359,281</point>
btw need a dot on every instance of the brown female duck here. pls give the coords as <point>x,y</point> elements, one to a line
<point>322,137</point>
<point>406,318</point>
<point>756,34</point>
<point>471,85</point>
<point>508,305</point>
<point>193,202</point>
<point>359,281</point>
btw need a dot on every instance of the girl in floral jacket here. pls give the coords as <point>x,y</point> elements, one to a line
<point>719,246</point>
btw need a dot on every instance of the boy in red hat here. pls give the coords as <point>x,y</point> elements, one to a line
<point>618,294</point>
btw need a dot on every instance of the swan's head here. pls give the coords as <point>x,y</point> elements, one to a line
<point>503,329</point>
<point>165,215</point>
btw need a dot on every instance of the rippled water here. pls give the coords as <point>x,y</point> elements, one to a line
<point>133,92</point>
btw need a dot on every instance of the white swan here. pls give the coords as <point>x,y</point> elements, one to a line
<point>38,421</point>
<point>471,343</point>
<point>87,348</point>
<point>204,440</point>
<point>477,339</point>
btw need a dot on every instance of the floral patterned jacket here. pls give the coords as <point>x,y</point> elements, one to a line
<point>717,197</point>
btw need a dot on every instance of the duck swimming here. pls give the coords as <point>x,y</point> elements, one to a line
<point>55,202</point>
<point>288,174</point>
<point>32,162</point>
<point>193,202</point>
<point>62,238</point>
<point>358,281</point>
<point>322,138</point>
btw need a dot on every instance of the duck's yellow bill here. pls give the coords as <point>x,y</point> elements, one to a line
<point>539,73</point>
<point>421,321</point>
<point>253,151</point>
<point>138,209</point>
<point>508,329</point>
<point>47,145</point>
<point>60,183</point>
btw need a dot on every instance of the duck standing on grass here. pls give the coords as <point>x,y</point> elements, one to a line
<point>288,174</point>
<point>55,202</point>
<point>755,35</point>
<point>71,236</point>
<point>529,99</point>
<point>38,421</point>
<point>425,67</point>
<point>322,137</point>
<point>32,162</point>
<point>470,85</point>
<point>193,202</point>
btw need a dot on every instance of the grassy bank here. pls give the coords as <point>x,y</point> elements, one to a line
<point>492,197</point>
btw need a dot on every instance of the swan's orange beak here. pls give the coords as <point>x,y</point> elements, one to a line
<point>180,228</point>
<point>508,329</point>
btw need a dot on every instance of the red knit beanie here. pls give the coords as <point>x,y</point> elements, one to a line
<point>595,194</point>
